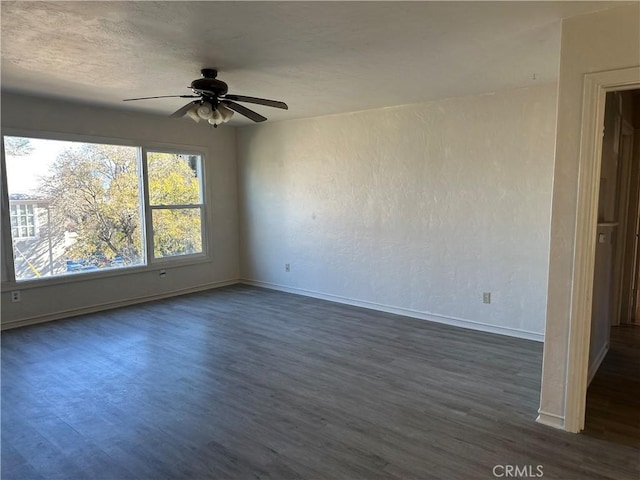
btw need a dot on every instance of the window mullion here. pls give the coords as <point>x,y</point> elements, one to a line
<point>6,251</point>
<point>146,208</point>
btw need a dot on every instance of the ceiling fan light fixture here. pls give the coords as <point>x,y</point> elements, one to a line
<point>225,112</point>
<point>205,111</point>
<point>216,117</point>
<point>193,114</point>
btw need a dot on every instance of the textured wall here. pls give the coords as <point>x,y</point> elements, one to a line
<point>597,42</point>
<point>420,208</point>
<point>29,114</point>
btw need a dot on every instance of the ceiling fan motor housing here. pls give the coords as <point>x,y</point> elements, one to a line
<point>209,85</point>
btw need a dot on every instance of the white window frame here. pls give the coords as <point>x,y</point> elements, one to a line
<point>152,264</point>
<point>148,214</point>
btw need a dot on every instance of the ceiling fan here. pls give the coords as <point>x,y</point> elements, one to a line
<point>214,104</point>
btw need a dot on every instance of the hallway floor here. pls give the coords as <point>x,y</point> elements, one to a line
<point>613,398</point>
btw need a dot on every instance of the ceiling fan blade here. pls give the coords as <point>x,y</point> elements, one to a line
<point>242,110</point>
<point>183,110</point>
<point>259,101</point>
<point>162,96</point>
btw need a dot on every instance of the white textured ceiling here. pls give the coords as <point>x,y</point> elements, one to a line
<point>319,57</point>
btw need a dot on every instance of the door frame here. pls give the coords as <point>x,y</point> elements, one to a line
<point>596,87</point>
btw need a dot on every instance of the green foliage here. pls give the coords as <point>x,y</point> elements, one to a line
<point>172,180</point>
<point>176,232</point>
<point>95,192</point>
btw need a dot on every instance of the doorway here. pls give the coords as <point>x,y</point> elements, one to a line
<point>615,276</point>
<point>595,87</point>
<point>629,261</point>
<point>612,407</point>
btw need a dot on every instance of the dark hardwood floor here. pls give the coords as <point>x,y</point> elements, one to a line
<point>613,398</point>
<point>245,383</point>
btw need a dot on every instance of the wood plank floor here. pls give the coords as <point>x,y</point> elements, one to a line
<point>613,398</point>
<point>246,383</point>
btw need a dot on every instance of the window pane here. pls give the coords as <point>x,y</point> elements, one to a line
<point>77,206</point>
<point>176,232</point>
<point>173,179</point>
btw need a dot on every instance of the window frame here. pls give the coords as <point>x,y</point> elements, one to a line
<point>9,280</point>
<point>148,208</point>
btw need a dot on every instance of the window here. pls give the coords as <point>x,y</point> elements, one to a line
<point>23,222</point>
<point>175,198</point>
<point>84,199</point>
<point>80,207</point>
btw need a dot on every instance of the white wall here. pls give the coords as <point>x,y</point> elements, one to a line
<point>597,42</point>
<point>42,302</point>
<point>415,209</point>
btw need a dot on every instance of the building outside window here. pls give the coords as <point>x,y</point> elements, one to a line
<point>23,220</point>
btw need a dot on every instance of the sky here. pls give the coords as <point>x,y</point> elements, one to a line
<point>24,171</point>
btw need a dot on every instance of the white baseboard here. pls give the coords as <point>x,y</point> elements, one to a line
<point>109,305</point>
<point>597,362</point>
<point>550,419</point>
<point>456,322</point>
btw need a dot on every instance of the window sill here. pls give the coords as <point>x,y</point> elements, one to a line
<point>157,265</point>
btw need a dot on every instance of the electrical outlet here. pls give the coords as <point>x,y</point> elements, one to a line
<point>15,296</point>
<point>287,267</point>
<point>486,297</point>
